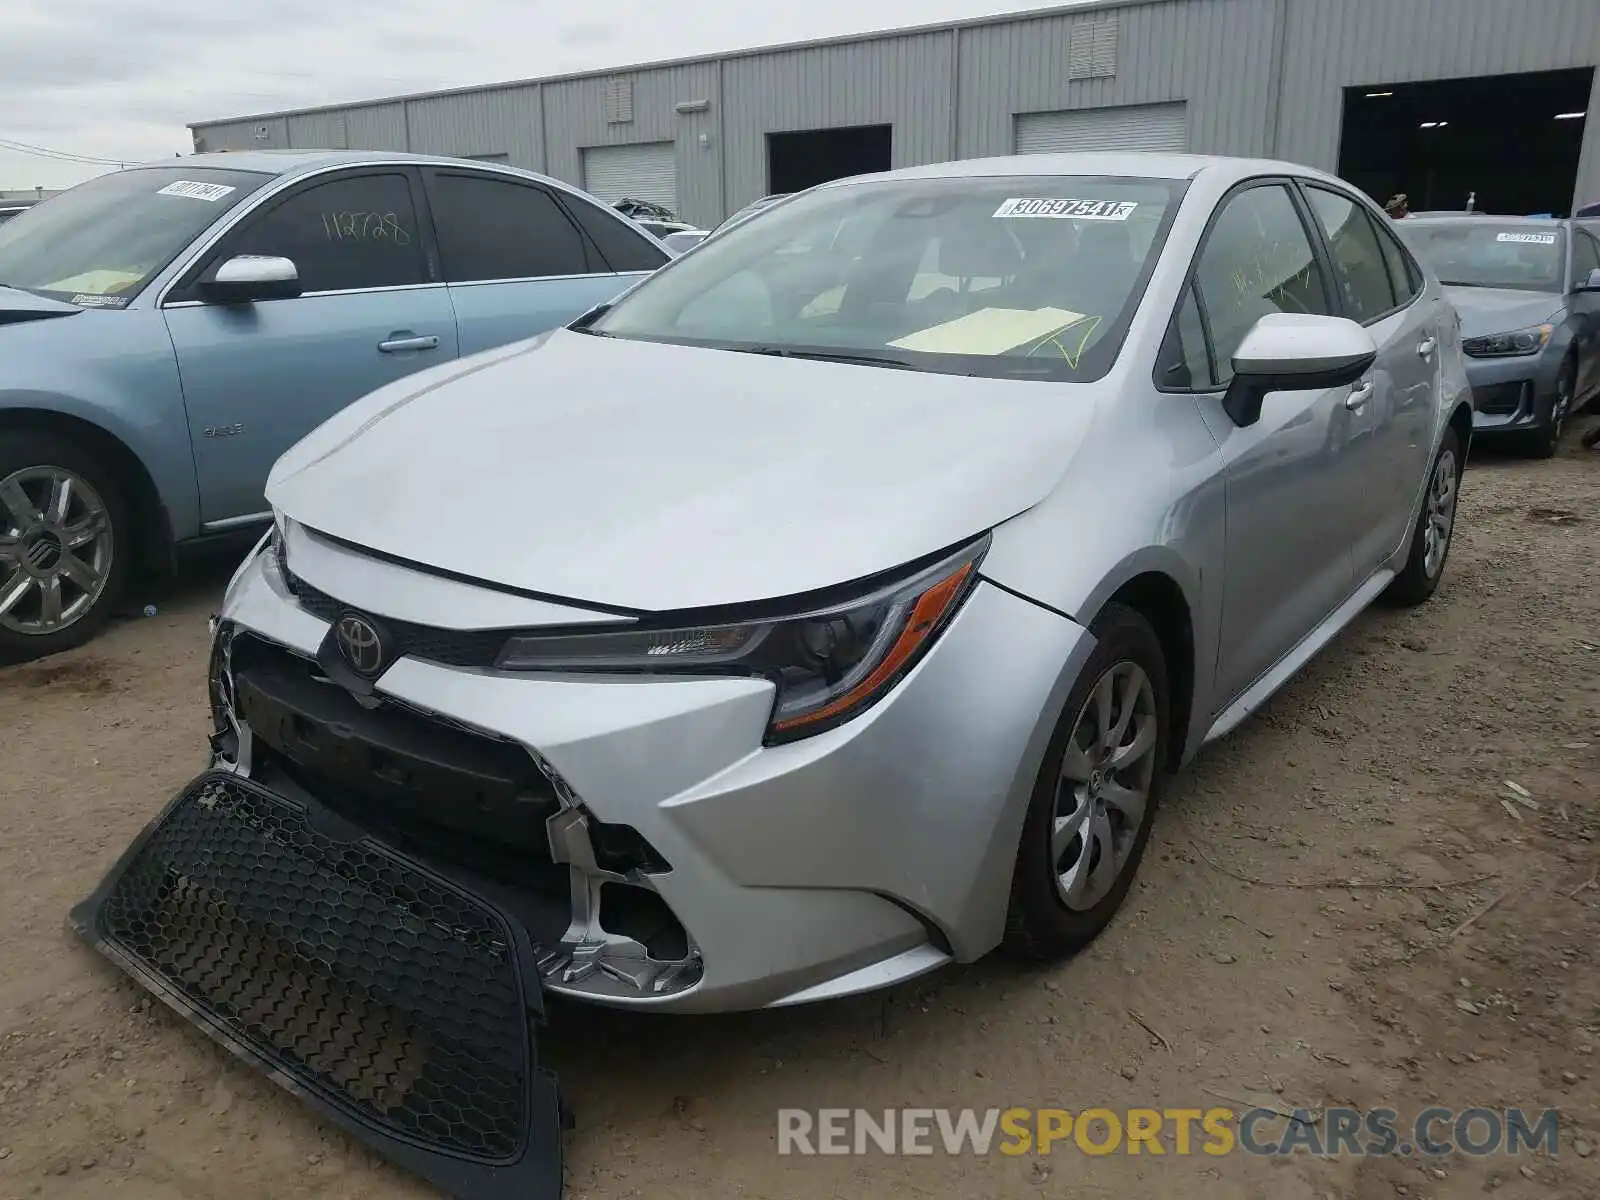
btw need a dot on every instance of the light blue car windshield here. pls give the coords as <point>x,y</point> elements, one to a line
<point>98,244</point>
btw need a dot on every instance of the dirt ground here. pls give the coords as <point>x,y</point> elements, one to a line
<point>1386,762</point>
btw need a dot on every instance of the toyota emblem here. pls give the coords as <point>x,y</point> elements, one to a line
<point>361,644</point>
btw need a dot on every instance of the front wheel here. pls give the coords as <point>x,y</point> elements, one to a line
<point>1436,524</point>
<point>1548,440</point>
<point>1096,795</point>
<point>63,545</point>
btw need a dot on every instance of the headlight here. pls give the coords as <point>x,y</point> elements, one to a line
<point>829,664</point>
<point>1506,345</point>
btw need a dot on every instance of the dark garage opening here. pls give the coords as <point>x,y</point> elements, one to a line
<point>796,161</point>
<point>1512,139</point>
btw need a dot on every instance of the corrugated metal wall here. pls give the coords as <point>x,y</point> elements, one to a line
<point>1258,77</point>
<point>505,121</point>
<point>903,81</point>
<point>577,109</point>
<point>1333,46</point>
<point>1214,54</point>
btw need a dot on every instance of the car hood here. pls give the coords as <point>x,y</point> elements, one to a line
<point>659,477</point>
<point>17,306</point>
<point>1500,310</point>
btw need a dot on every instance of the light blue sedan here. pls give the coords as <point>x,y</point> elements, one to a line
<point>166,332</point>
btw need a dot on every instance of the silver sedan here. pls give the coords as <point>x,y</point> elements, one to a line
<point>854,581</point>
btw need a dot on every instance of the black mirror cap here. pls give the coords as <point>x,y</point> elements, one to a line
<point>1248,391</point>
<point>232,292</point>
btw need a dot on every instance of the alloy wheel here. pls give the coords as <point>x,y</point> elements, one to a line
<point>1558,411</point>
<point>56,550</point>
<point>1440,515</point>
<point>1104,789</point>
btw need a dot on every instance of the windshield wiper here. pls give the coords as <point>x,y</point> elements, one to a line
<point>840,356</point>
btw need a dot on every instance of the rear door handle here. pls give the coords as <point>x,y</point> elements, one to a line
<point>1425,347</point>
<point>1359,395</point>
<point>394,345</point>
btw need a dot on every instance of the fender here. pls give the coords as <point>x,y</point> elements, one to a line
<point>117,371</point>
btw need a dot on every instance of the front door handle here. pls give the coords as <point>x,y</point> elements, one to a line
<point>394,345</point>
<point>1359,395</point>
<point>1425,347</point>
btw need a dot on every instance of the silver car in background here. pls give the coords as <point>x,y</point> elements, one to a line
<point>853,604</point>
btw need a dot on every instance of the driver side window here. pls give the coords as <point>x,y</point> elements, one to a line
<point>1257,259</point>
<point>352,232</point>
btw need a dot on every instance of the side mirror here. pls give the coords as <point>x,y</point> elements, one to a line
<point>1592,283</point>
<point>248,277</point>
<point>1295,352</point>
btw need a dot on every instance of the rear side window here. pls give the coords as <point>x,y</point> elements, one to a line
<point>348,233</point>
<point>491,228</point>
<point>1404,273</point>
<point>622,248</point>
<point>1362,274</point>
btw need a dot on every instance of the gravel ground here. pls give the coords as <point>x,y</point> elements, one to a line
<point>1251,943</point>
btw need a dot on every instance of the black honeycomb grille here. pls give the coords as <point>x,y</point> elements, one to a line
<point>452,647</point>
<point>366,980</point>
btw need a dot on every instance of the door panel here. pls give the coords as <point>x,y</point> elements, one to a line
<point>516,262</point>
<point>1585,310</point>
<point>1291,477</point>
<point>258,377</point>
<point>1390,432</point>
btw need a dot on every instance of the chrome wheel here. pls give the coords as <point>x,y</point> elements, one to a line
<point>1104,789</point>
<point>56,550</point>
<point>1440,514</point>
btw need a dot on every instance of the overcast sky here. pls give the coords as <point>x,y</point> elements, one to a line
<point>119,79</point>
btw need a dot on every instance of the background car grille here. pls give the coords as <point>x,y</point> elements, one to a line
<point>366,980</point>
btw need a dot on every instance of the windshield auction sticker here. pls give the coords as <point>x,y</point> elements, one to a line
<point>1069,210</point>
<point>211,192</point>
<point>1535,239</point>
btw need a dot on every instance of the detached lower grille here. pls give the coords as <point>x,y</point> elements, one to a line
<point>354,976</point>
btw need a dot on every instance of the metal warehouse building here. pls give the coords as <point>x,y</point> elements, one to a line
<point>1442,99</point>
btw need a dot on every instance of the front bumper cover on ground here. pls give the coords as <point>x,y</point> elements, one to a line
<point>396,1001</point>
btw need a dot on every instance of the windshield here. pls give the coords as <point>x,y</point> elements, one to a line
<point>1481,252</point>
<point>98,244</point>
<point>1029,277</point>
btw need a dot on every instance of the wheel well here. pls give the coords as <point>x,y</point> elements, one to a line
<point>152,525</point>
<point>1461,422</point>
<point>1159,600</point>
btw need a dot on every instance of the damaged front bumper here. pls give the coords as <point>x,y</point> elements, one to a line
<point>396,1000</point>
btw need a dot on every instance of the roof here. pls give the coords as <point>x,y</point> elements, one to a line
<point>294,162</point>
<point>872,35</point>
<point>1132,164</point>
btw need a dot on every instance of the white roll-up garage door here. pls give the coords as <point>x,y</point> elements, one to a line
<point>1130,127</point>
<point>645,171</point>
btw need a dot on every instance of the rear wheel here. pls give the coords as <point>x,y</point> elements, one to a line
<point>64,545</point>
<point>1430,544</point>
<point>1096,795</point>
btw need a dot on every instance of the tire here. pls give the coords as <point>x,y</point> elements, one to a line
<point>1041,923</point>
<point>1425,563</point>
<point>80,558</point>
<point>1548,440</point>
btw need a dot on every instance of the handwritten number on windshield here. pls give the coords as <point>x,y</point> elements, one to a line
<point>364,227</point>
